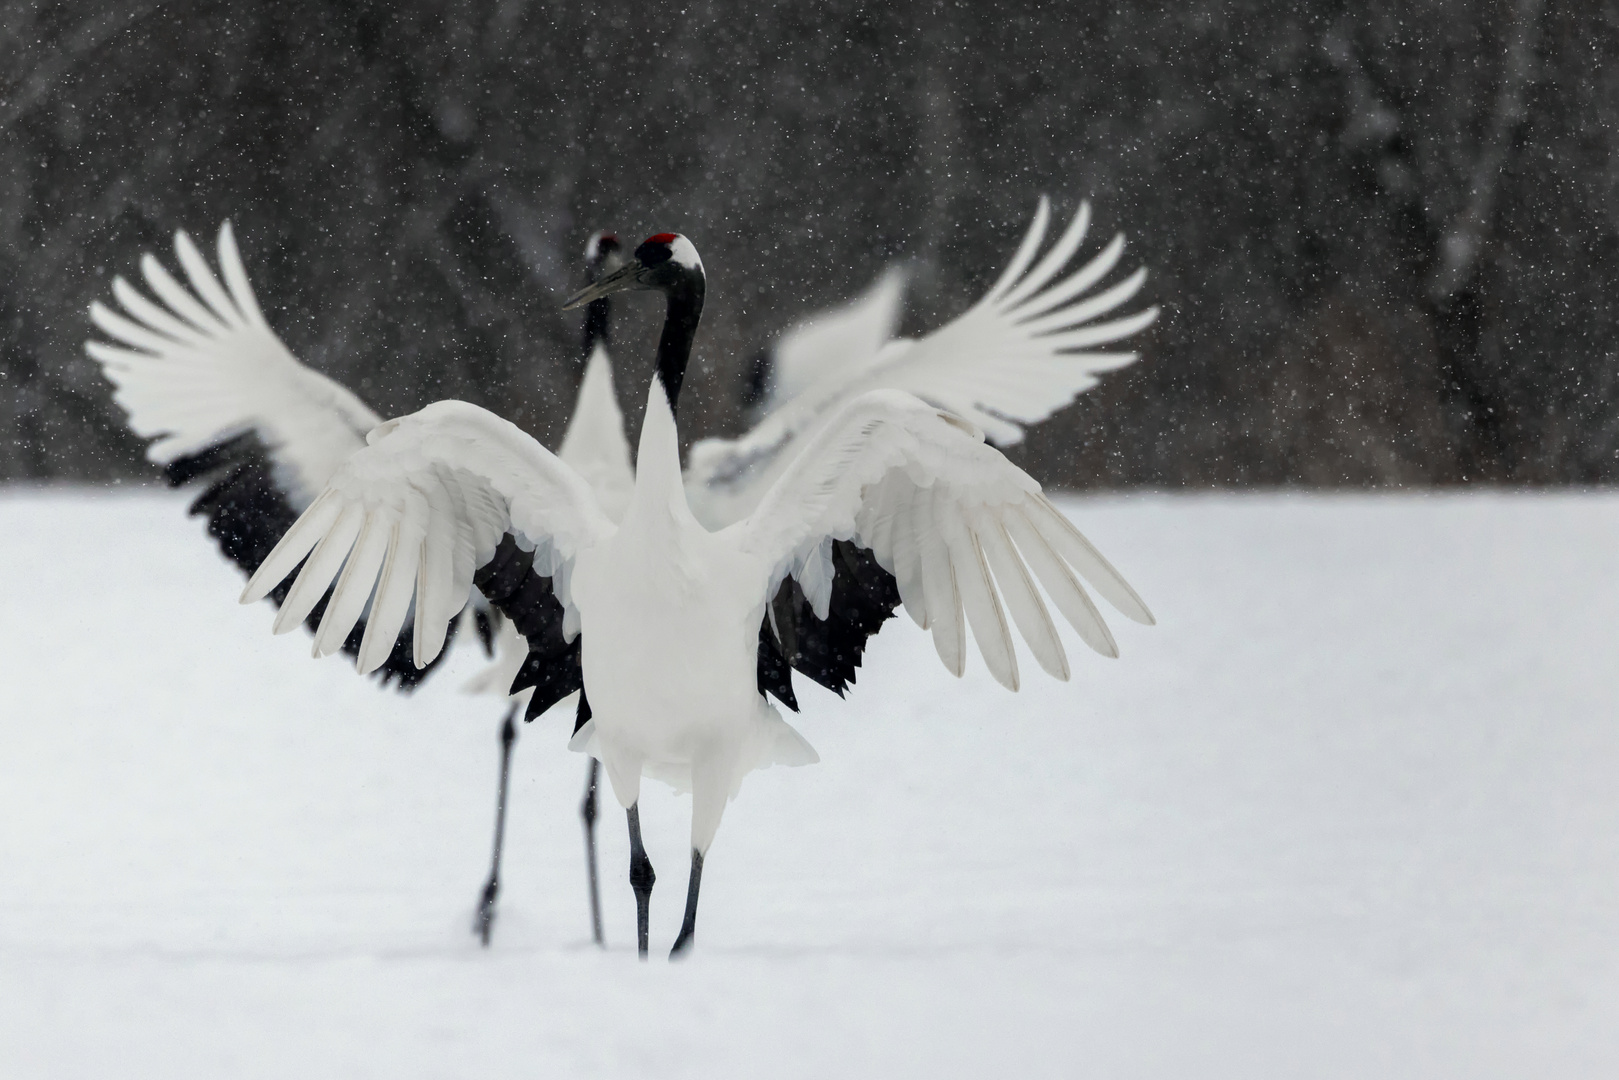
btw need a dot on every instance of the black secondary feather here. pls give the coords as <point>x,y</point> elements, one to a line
<point>775,674</point>
<point>511,585</point>
<point>864,596</point>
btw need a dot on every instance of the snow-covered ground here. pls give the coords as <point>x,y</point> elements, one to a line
<point>1350,810</point>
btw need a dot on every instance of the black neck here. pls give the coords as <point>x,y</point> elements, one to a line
<point>679,328</point>
<point>596,313</point>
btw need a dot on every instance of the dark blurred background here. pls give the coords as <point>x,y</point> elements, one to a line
<point>1383,235</point>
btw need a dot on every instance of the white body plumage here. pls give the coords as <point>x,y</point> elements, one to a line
<point>670,673</point>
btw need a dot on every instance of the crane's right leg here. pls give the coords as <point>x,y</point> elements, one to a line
<point>484,921</point>
<point>641,879</point>
<point>587,810</point>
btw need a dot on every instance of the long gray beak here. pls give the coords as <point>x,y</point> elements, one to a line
<point>621,280</point>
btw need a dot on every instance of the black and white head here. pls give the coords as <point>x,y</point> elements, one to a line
<point>666,263</point>
<point>603,254</point>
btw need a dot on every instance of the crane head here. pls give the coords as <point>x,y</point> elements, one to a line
<point>665,262</point>
<point>601,253</point>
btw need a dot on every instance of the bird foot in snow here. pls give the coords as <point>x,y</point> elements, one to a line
<point>484,921</point>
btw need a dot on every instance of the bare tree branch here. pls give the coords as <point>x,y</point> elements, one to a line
<point>1462,243</point>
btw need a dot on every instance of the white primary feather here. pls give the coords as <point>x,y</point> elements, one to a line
<point>1017,589</point>
<point>429,499</point>
<point>203,365</point>
<point>1025,350</point>
<point>890,457</point>
<point>941,595</point>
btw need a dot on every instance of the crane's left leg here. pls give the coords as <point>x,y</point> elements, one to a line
<point>484,921</point>
<point>688,926</point>
<point>587,811</point>
<point>710,788</point>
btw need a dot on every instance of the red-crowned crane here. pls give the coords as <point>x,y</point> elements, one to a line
<point>672,630</point>
<point>994,363</point>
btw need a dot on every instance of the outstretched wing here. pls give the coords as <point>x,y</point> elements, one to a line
<point>200,366</point>
<point>1023,351</point>
<point>200,372</point>
<point>440,500</point>
<point>957,528</point>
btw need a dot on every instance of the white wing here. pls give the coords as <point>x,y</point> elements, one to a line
<point>958,526</point>
<point>1025,350</point>
<point>836,343</point>
<point>200,371</point>
<point>414,515</point>
<point>201,366</point>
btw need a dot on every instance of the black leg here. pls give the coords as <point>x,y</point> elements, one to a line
<point>641,879</point>
<point>484,921</point>
<point>588,811</point>
<point>688,926</point>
